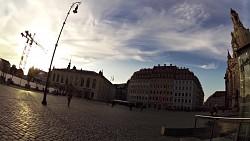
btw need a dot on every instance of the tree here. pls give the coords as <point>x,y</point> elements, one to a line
<point>32,73</point>
<point>13,70</point>
<point>19,73</point>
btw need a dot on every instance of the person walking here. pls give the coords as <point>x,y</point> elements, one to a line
<point>214,110</point>
<point>69,98</point>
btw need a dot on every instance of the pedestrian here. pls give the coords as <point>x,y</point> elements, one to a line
<point>130,106</point>
<point>214,110</point>
<point>69,98</point>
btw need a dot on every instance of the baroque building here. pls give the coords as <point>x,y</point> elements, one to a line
<point>83,83</point>
<point>240,37</point>
<point>166,87</point>
<point>217,98</point>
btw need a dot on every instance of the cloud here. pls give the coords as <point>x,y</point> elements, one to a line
<point>207,66</point>
<point>138,30</point>
<point>190,13</point>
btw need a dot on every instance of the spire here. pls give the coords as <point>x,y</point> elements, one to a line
<point>235,18</point>
<point>232,11</point>
<point>68,68</point>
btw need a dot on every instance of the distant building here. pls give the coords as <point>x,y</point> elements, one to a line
<point>86,84</point>
<point>216,98</point>
<point>240,38</point>
<point>4,66</point>
<point>121,91</point>
<point>41,78</point>
<point>166,87</point>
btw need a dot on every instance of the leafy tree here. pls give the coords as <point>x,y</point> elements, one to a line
<point>19,73</point>
<point>32,73</point>
<point>13,70</point>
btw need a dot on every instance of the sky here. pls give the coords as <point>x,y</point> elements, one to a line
<point>124,36</point>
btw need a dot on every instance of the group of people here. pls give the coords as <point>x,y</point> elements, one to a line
<point>213,112</point>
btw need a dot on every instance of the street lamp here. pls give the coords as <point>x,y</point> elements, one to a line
<point>44,102</point>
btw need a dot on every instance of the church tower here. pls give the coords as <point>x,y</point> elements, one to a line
<point>240,35</point>
<point>240,38</point>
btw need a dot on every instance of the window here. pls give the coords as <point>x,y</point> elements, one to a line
<point>88,83</point>
<point>76,80</point>
<point>57,78</point>
<point>67,80</point>
<point>94,83</point>
<point>54,77</point>
<point>82,81</point>
<point>62,78</point>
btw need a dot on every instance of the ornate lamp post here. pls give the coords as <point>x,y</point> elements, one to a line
<point>44,102</point>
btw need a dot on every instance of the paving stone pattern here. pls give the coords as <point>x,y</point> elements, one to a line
<point>23,117</point>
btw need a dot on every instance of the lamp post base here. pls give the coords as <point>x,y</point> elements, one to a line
<point>44,102</point>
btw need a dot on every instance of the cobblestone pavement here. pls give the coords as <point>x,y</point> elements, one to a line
<point>23,117</point>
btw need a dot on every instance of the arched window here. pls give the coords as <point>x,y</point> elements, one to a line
<point>76,80</point>
<point>57,78</point>
<point>54,77</point>
<point>94,83</point>
<point>67,80</point>
<point>82,81</point>
<point>62,78</point>
<point>88,82</point>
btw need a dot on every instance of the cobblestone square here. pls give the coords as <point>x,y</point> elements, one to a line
<point>23,117</point>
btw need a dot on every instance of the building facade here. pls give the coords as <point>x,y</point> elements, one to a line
<point>217,98</point>
<point>86,84</point>
<point>240,37</point>
<point>4,68</point>
<point>121,91</point>
<point>166,87</point>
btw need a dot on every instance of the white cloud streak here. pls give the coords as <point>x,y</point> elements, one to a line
<point>206,66</point>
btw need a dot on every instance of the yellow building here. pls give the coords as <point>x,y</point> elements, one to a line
<point>86,84</point>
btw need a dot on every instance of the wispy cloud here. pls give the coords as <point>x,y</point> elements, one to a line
<point>206,66</point>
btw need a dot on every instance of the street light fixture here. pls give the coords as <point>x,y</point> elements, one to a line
<point>44,102</point>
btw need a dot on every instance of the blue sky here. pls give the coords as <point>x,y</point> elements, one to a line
<point>123,36</point>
